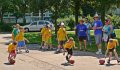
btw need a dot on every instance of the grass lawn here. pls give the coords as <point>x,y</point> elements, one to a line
<point>35,37</point>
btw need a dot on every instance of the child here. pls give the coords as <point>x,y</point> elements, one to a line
<point>43,38</point>
<point>15,31</point>
<point>47,36</point>
<point>21,40</point>
<point>12,50</point>
<point>111,47</point>
<point>68,47</point>
<point>61,37</point>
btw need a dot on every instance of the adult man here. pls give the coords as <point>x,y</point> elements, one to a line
<point>82,33</point>
<point>97,27</point>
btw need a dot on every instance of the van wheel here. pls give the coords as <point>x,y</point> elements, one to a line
<point>40,29</point>
<point>26,30</point>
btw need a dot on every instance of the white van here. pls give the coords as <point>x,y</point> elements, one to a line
<point>37,25</point>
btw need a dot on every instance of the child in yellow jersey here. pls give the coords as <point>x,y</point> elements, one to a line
<point>12,50</point>
<point>43,36</point>
<point>48,36</point>
<point>21,40</point>
<point>68,47</point>
<point>61,37</point>
<point>111,47</point>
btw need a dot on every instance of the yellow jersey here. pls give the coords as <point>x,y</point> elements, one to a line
<point>11,47</point>
<point>61,34</point>
<point>112,44</point>
<point>43,30</point>
<point>20,36</point>
<point>43,33</point>
<point>47,34</point>
<point>69,44</point>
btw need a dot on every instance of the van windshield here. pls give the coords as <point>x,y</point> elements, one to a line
<point>34,23</point>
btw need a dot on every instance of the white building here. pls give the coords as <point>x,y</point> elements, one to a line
<point>114,10</point>
<point>10,18</point>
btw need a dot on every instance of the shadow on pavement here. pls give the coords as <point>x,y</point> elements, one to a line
<point>66,64</point>
<point>108,65</point>
<point>86,53</point>
<point>8,64</point>
<point>33,46</point>
<point>37,47</point>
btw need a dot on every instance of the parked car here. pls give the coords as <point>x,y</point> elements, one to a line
<point>37,25</point>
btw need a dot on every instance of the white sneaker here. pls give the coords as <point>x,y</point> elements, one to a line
<point>97,52</point>
<point>100,52</point>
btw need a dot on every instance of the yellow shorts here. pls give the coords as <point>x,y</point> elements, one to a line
<point>43,38</point>
<point>49,41</point>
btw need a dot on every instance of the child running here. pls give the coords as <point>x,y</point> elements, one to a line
<point>21,41</point>
<point>43,34</point>
<point>48,36</point>
<point>68,48</point>
<point>12,50</point>
<point>111,47</point>
<point>61,37</point>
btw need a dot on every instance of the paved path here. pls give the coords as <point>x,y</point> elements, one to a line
<point>38,60</point>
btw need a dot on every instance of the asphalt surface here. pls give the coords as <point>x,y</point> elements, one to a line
<point>47,60</point>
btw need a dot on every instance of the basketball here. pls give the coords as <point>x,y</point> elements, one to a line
<point>101,62</point>
<point>12,61</point>
<point>72,61</point>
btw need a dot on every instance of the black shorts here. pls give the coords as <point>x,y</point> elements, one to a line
<point>81,38</point>
<point>111,50</point>
<point>61,42</point>
<point>69,51</point>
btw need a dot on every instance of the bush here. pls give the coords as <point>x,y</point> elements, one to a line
<point>116,21</point>
<point>8,27</point>
<point>71,24</point>
<point>5,28</point>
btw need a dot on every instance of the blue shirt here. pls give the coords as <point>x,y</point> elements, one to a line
<point>81,30</point>
<point>98,24</point>
<point>107,29</point>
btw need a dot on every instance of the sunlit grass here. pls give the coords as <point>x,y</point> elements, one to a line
<point>35,37</point>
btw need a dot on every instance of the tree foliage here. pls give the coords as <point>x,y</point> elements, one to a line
<point>59,8</point>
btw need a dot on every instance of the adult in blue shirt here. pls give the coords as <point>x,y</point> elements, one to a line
<point>97,27</point>
<point>82,33</point>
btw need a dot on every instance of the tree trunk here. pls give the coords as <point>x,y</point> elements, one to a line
<point>42,14</point>
<point>55,19</point>
<point>55,25</point>
<point>76,11</point>
<point>16,19</point>
<point>1,16</point>
<point>24,19</point>
<point>103,12</point>
<point>77,7</point>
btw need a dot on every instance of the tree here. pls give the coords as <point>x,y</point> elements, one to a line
<point>102,6</point>
<point>58,7</point>
<point>4,7</point>
<point>75,4</point>
<point>39,5</point>
<point>17,14</point>
<point>22,7</point>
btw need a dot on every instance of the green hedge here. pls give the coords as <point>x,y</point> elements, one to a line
<point>7,27</point>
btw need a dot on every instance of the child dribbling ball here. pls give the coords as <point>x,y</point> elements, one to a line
<point>68,48</point>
